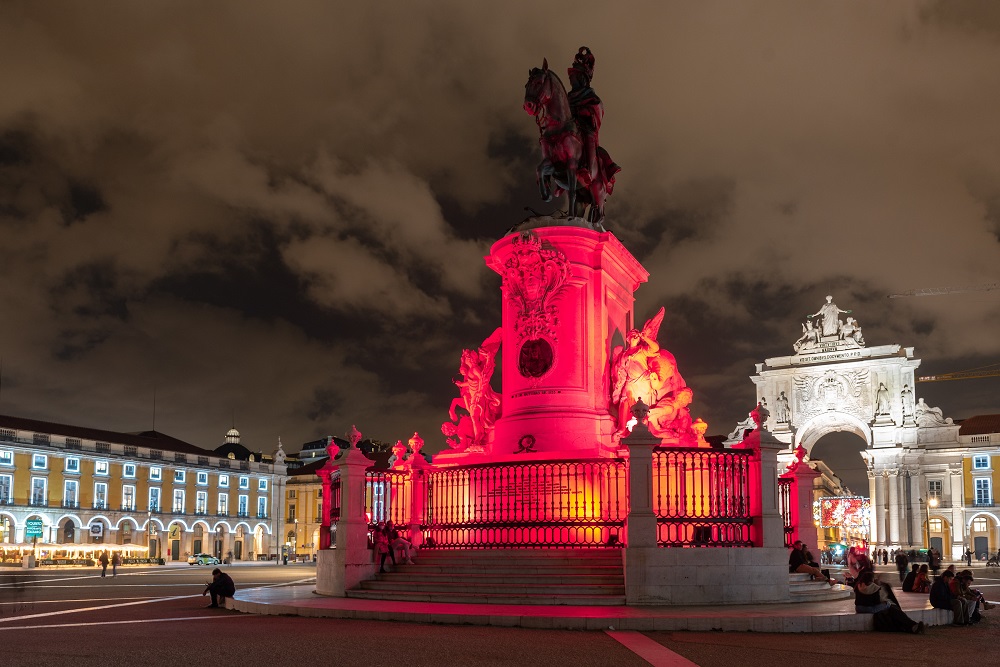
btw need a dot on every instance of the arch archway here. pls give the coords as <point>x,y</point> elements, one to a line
<point>68,531</point>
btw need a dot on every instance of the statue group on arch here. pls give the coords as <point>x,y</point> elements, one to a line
<point>842,334</point>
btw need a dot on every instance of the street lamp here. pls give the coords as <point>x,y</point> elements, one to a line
<point>931,504</point>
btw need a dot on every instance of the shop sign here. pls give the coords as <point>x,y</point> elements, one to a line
<point>33,528</point>
<point>96,529</point>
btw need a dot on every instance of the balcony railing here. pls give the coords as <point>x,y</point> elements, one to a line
<point>6,500</point>
<point>245,515</point>
<point>128,507</point>
<point>71,504</point>
<point>100,505</point>
<point>984,502</point>
<point>154,507</point>
<point>201,512</point>
<point>38,502</point>
<point>261,515</point>
<point>178,510</point>
<point>222,513</point>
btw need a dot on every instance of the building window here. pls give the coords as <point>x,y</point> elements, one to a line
<point>154,499</point>
<point>39,462</point>
<point>291,494</point>
<point>128,497</point>
<point>244,482</point>
<point>101,467</point>
<point>201,503</point>
<point>979,525</point>
<point>6,484</point>
<point>980,462</point>
<point>224,481</point>
<point>291,513</point>
<point>128,470</point>
<point>39,494</point>
<point>100,496</point>
<point>178,477</point>
<point>934,489</point>
<point>178,507</point>
<point>71,493</point>
<point>155,474</point>
<point>936,525</point>
<point>6,457</point>
<point>983,496</point>
<point>262,485</point>
<point>72,464</point>
<point>261,507</point>
<point>224,504</point>
<point>202,479</point>
<point>244,506</point>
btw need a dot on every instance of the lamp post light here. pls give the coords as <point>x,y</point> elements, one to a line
<point>931,504</point>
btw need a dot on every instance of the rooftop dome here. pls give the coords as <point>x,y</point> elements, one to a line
<point>232,437</point>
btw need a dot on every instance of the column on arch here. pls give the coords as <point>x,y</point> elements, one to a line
<point>875,523</point>
<point>918,490</point>
<point>878,496</point>
<point>894,480</point>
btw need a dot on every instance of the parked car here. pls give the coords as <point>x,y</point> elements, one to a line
<point>202,559</point>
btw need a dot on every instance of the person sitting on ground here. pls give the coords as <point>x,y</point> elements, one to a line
<point>222,587</point>
<point>910,578</point>
<point>922,583</point>
<point>871,596</point>
<point>797,562</point>
<point>942,598</point>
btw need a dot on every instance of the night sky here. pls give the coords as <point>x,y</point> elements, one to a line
<point>279,211</point>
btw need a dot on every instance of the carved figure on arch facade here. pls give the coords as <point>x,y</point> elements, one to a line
<point>925,415</point>
<point>829,314</point>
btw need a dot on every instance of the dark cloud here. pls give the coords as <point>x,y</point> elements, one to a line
<point>282,210</point>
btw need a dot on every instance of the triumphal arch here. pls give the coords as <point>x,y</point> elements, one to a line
<point>833,381</point>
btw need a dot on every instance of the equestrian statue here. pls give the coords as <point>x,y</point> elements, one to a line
<point>569,124</point>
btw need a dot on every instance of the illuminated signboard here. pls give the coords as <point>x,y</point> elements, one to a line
<point>848,512</point>
<point>33,528</point>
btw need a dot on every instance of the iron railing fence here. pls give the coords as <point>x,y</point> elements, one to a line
<point>701,497</point>
<point>785,508</point>
<point>539,505</point>
<point>387,497</point>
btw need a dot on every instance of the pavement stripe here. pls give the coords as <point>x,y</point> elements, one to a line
<point>82,609</point>
<point>24,602</point>
<point>652,652</point>
<point>144,620</point>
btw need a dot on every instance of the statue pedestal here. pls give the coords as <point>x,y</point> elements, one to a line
<point>567,300</point>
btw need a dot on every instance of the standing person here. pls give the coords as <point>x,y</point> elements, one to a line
<point>885,557</point>
<point>901,563</point>
<point>116,560</point>
<point>103,560</point>
<point>934,561</point>
<point>221,587</point>
<point>968,557</point>
<point>380,542</point>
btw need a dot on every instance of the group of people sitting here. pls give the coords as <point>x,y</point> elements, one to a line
<point>951,590</point>
<point>954,591</point>
<point>387,542</point>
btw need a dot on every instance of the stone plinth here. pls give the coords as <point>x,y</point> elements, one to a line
<point>567,299</point>
<point>714,576</point>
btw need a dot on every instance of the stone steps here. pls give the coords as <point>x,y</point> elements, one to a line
<point>503,576</point>
<point>801,588</point>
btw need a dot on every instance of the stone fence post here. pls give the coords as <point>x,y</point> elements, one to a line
<point>349,562</point>
<point>768,528</point>
<point>325,473</point>
<point>800,505</point>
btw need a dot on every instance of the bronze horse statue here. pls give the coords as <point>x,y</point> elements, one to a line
<point>563,148</point>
